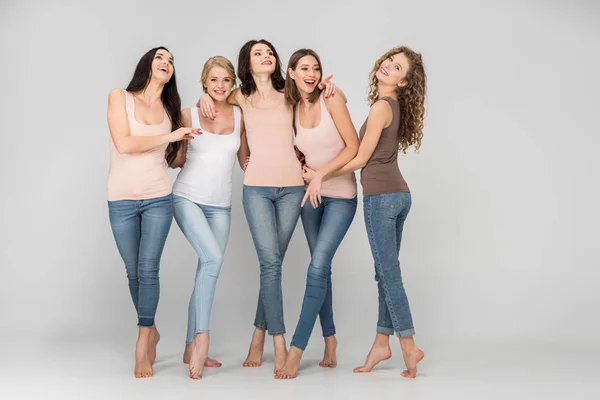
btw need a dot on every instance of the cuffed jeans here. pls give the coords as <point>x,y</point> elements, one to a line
<point>384,218</point>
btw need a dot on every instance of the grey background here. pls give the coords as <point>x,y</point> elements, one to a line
<point>501,242</point>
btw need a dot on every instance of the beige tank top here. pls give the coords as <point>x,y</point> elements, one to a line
<point>320,145</point>
<point>139,176</point>
<point>273,161</point>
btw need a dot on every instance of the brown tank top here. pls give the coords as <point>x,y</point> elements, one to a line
<point>381,174</point>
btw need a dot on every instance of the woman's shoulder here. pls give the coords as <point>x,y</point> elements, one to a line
<point>117,94</point>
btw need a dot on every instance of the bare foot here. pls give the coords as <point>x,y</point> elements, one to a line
<point>292,363</point>
<point>210,362</point>
<point>154,339</point>
<point>143,366</point>
<point>199,355</point>
<point>257,347</point>
<point>379,352</point>
<point>279,351</point>
<point>329,358</point>
<point>412,356</point>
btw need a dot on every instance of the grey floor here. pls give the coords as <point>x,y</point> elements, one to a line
<point>101,368</point>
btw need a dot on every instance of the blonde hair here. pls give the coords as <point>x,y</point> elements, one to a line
<point>411,97</point>
<point>217,61</point>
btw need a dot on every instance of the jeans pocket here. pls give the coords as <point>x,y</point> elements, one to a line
<point>390,201</point>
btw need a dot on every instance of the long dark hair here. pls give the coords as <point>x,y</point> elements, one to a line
<point>169,96</point>
<point>248,86</point>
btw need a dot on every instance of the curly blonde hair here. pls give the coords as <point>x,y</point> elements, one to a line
<point>411,97</point>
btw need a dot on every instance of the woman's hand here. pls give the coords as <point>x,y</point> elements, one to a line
<point>328,86</point>
<point>207,106</point>
<point>307,174</point>
<point>245,164</point>
<point>313,191</point>
<point>183,134</point>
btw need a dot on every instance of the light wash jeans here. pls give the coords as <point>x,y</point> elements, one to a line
<point>207,230</point>
<point>384,218</point>
<point>272,214</point>
<point>140,228</point>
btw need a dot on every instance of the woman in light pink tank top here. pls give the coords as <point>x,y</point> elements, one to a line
<point>327,139</point>
<point>141,120</point>
<point>273,184</point>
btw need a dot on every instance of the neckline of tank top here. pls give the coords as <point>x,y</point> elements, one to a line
<point>204,131</point>
<point>321,106</point>
<point>389,97</point>
<point>284,103</point>
<point>165,116</point>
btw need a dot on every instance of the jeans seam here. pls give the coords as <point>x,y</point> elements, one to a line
<point>200,268</point>
<point>391,310</point>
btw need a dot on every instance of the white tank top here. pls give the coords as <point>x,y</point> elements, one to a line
<point>206,175</point>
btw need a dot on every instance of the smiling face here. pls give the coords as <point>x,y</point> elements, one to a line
<point>218,83</point>
<point>262,60</point>
<point>393,70</point>
<point>162,66</point>
<point>307,74</point>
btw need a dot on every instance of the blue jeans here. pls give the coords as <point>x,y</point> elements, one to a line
<point>384,218</point>
<point>140,228</point>
<point>207,230</point>
<point>272,214</point>
<point>325,227</point>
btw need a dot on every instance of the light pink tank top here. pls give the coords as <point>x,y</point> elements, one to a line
<point>273,161</point>
<point>320,145</point>
<point>139,176</point>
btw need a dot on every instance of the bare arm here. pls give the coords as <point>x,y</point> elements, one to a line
<point>235,97</point>
<point>336,105</point>
<point>118,125</point>
<point>341,118</point>
<point>207,106</point>
<point>186,119</point>
<point>244,151</point>
<point>380,117</point>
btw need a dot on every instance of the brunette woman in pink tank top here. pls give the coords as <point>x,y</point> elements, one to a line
<point>327,138</point>
<point>141,119</point>
<point>273,184</point>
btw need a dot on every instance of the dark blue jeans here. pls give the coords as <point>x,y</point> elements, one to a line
<point>272,214</point>
<point>384,218</point>
<point>325,227</point>
<point>140,228</point>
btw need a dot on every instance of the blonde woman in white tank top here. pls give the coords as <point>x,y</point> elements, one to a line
<point>202,200</point>
<point>140,120</point>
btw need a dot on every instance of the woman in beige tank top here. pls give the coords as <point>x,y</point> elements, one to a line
<point>273,184</point>
<point>327,139</point>
<point>141,120</point>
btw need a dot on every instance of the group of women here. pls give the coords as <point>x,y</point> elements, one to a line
<point>295,141</point>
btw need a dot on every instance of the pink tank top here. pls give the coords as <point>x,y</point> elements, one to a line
<point>320,145</point>
<point>273,161</point>
<point>139,176</point>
